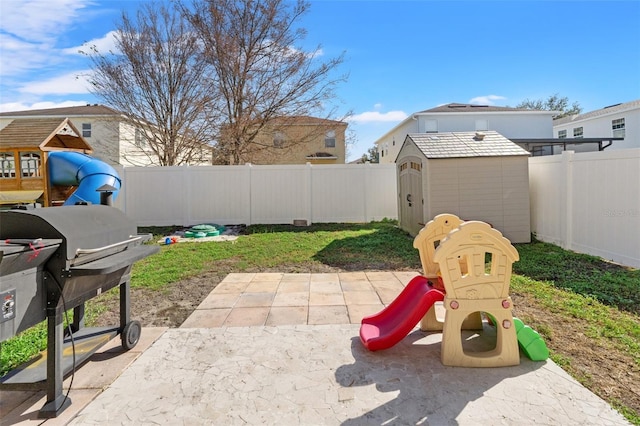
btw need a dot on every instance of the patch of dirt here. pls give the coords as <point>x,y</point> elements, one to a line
<point>609,373</point>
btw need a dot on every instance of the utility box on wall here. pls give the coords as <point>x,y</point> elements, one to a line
<point>474,175</point>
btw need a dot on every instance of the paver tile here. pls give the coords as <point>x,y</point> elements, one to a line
<point>325,277</point>
<point>250,300</point>
<point>267,276</point>
<point>287,315</point>
<point>293,286</point>
<point>244,317</point>
<point>238,277</point>
<point>356,285</point>
<point>305,277</point>
<point>291,299</point>
<point>361,298</point>
<point>352,276</point>
<point>357,312</point>
<point>325,287</point>
<point>262,286</point>
<point>231,287</point>
<point>319,315</point>
<point>316,299</point>
<point>207,318</point>
<point>219,300</point>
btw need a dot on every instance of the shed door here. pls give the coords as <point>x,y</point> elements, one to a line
<point>410,193</point>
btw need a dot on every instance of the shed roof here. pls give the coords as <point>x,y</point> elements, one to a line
<point>46,134</point>
<point>465,144</point>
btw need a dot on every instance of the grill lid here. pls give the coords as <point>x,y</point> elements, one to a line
<point>81,227</point>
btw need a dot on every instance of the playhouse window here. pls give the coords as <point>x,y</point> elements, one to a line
<point>562,134</point>
<point>7,165</point>
<point>30,164</point>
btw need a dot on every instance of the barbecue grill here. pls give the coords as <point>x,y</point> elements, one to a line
<point>52,260</point>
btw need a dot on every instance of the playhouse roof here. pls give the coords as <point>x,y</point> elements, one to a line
<point>45,134</point>
<point>465,144</point>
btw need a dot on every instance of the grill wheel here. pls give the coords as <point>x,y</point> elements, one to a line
<point>131,335</point>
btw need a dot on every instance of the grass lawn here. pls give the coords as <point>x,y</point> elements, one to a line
<point>564,288</point>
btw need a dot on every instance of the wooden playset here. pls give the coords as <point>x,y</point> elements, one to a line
<point>45,161</point>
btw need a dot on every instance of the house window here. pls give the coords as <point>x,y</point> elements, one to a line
<point>278,139</point>
<point>86,130</point>
<point>431,126</point>
<point>482,124</point>
<point>577,132</point>
<point>141,138</point>
<point>617,126</point>
<point>7,165</point>
<point>30,164</point>
<point>562,134</point>
<point>330,139</point>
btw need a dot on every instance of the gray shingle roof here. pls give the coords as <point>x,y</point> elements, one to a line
<point>95,109</point>
<point>454,107</point>
<point>465,144</point>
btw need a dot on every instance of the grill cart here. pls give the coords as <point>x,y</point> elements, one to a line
<point>55,259</point>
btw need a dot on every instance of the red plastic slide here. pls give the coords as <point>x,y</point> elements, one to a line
<point>393,323</point>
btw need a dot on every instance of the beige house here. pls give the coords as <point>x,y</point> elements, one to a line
<point>474,175</point>
<point>300,140</point>
<point>113,140</point>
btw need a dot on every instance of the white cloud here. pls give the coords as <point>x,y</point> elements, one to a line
<point>104,44</point>
<point>377,106</point>
<point>486,100</point>
<point>376,116</point>
<point>39,20</point>
<point>65,84</point>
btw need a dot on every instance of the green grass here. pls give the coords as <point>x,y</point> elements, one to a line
<point>573,286</point>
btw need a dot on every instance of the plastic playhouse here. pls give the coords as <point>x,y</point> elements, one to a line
<point>467,270</point>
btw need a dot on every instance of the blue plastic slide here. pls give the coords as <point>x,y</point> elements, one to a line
<point>85,172</point>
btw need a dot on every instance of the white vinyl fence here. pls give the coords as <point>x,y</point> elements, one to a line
<point>253,194</point>
<point>588,202</point>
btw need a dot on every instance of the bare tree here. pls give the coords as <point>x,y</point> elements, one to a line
<point>157,80</point>
<point>259,71</point>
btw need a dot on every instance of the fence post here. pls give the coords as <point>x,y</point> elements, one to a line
<point>365,186</point>
<point>567,196</point>
<point>249,168</point>
<point>309,201</point>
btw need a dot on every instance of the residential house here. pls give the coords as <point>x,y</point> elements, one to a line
<point>300,140</point>
<point>512,123</point>
<point>615,121</point>
<point>113,139</point>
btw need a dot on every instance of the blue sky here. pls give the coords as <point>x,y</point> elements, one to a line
<point>401,56</point>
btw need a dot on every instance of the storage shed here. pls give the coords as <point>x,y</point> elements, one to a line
<point>474,175</point>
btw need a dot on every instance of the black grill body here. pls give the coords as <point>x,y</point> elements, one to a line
<point>54,259</point>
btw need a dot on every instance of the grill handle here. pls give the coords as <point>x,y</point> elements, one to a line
<point>95,250</point>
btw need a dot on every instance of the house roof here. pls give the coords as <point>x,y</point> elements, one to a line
<point>599,112</point>
<point>466,108</point>
<point>46,134</point>
<point>95,109</point>
<point>306,120</point>
<point>465,144</point>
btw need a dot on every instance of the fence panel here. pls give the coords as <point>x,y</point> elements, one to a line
<point>251,194</point>
<point>589,202</point>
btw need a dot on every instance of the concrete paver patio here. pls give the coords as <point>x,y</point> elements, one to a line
<point>284,349</point>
